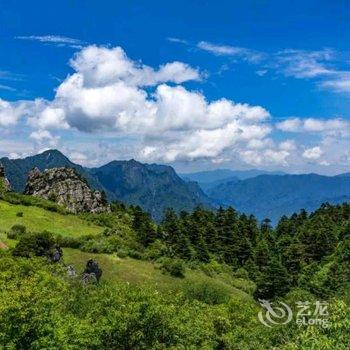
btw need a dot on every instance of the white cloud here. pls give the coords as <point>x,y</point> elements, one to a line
<point>41,135</point>
<point>233,51</point>
<point>100,66</point>
<point>54,39</point>
<point>320,65</point>
<point>10,113</point>
<point>305,64</point>
<point>261,72</point>
<point>313,153</point>
<point>340,82</point>
<point>334,126</point>
<point>287,145</point>
<point>7,88</point>
<point>49,118</point>
<point>112,95</point>
<point>265,157</point>
<point>290,125</point>
<point>109,92</point>
<point>177,40</point>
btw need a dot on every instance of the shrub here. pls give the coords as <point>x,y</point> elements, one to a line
<point>69,242</point>
<point>19,214</point>
<point>174,267</point>
<point>241,273</point>
<point>209,292</point>
<point>16,231</point>
<point>213,268</point>
<point>135,254</point>
<point>35,244</point>
<point>155,250</point>
<point>122,253</point>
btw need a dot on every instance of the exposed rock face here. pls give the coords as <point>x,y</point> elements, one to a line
<point>4,182</point>
<point>67,188</point>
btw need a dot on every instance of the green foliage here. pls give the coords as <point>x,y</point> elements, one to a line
<point>174,267</point>
<point>35,244</point>
<point>209,292</point>
<point>155,250</point>
<point>16,231</point>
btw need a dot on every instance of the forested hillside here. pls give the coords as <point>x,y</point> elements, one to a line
<point>192,281</point>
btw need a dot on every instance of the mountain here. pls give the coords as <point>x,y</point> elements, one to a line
<point>17,170</point>
<point>154,187</point>
<point>271,196</point>
<point>344,175</point>
<point>212,178</point>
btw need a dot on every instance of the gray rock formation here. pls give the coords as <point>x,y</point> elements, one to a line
<point>67,188</point>
<point>4,182</point>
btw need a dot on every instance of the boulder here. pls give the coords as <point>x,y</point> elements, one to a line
<point>92,272</point>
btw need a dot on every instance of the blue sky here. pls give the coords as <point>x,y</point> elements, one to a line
<point>255,84</point>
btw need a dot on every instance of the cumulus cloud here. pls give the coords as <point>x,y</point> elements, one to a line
<point>334,126</point>
<point>101,66</point>
<point>313,153</point>
<point>109,93</point>
<point>10,113</point>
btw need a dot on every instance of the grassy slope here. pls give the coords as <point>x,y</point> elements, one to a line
<point>144,273</point>
<point>38,219</point>
<point>114,269</point>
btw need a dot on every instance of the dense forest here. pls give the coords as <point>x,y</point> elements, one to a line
<point>305,257</point>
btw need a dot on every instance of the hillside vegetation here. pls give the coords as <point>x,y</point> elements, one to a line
<point>39,219</point>
<point>191,282</point>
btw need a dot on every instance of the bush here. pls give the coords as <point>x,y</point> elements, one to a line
<point>19,214</point>
<point>68,242</point>
<point>209,292</point>
<point>213,268</point>
<point>35,244</point>
<point>241,273</point>
<point>155,250</point>
<point>122,253</point>
<point>16,231</point>
<point>174,267</point>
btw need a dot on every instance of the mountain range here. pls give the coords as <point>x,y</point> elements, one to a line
<point>154,187</point>
<point>212,178</point>
<point>271,196</point>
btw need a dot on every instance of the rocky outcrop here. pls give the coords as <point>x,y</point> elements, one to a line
<point>67,188</point>
<point>92,272</point>
<point>4,182</point>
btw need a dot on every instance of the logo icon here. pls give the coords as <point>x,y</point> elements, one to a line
<point>274,315</point>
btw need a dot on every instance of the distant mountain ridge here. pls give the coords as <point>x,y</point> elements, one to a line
<point>157,187</point>
<point>154,187</point>
<point>271,196</point>
<point>212,178</point>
